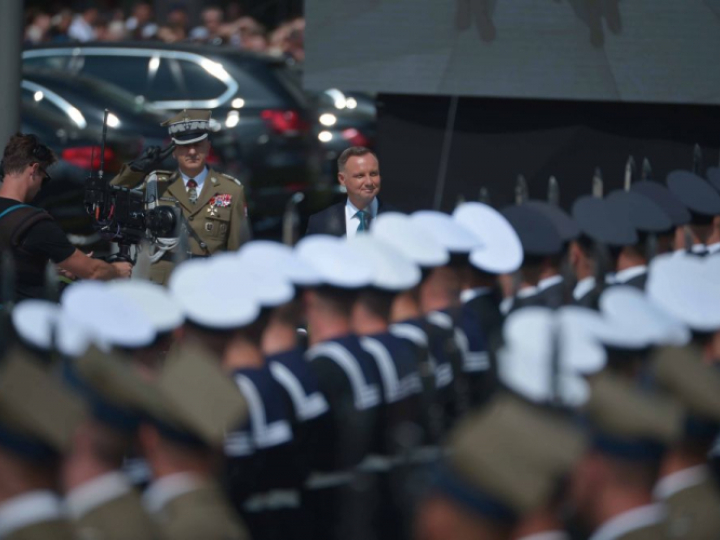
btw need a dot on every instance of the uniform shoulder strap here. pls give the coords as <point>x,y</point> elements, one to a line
<point>228,177</point>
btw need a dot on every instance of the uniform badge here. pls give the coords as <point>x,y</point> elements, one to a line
<point>219,201</point>
<point>209,227</point>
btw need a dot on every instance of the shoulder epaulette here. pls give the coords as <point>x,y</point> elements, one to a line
<point>162,175</point>
<point>238,182</point>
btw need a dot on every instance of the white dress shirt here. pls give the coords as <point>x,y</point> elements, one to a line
<point>352,220</point>
<point>631,520</point>
<point>28,509</point>
<point>199,179</point>
<point>96,492</point>
<point>548,282</point>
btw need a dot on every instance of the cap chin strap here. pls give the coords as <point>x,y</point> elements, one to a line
<point>190,141</point>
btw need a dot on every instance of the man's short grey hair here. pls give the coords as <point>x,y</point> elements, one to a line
<point>353,151</point>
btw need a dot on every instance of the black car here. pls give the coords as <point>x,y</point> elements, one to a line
<point>85,99</point>
<point>252,96</point>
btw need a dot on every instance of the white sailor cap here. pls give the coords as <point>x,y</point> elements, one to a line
<point>446,231</point>
<point>531,354</point>
<point>579,348</point>
<point>274,255</point>
<point>107,316</point>
<point>215,301</point>
<point>40,324</point>
<point>634,320</point>
<point>336,263</point>
<point>679,284</point>
<point>501,250</point>
<point>391,270</point>
<point>267,285</point>
<point>155,301</point>
<point>402,233</point>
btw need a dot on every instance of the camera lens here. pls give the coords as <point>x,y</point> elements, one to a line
<point>162,221</point>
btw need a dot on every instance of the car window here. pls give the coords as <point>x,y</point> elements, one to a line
<point>199,82</point>
<point>48,62</point>
<point>37,101</point>
<point>166,82</point>
<point>128,72</point>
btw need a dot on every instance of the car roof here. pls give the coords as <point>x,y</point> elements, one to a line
<point>207,50</point>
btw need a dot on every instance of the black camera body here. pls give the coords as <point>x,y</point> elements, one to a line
<point>120,215</point>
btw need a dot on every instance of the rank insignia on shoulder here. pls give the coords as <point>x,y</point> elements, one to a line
<point>238,182</point>
<point>162,176</point>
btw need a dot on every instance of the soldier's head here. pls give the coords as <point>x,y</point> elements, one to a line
<point>25,163</point>
<point>190,130</point>
<point>359,173</point>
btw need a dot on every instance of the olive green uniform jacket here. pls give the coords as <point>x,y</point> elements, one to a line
<point>218,219</point>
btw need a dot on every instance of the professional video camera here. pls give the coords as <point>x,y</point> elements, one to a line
<point>127,216</point>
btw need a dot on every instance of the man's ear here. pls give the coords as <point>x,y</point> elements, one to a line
<point>341,179</point>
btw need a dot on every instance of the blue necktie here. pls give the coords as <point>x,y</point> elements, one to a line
<point>364,220</point>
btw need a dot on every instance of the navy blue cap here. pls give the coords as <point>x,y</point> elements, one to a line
<point>665,199</point>
<point>696,194</point>
<point>538,235</point>
<point>26,446</point>
<point>603,222</point>
<point>713,176</point>
<point>640,449</point>
<point>644,214</point>
<point>565,225</point>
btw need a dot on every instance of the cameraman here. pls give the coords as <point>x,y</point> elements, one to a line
<point>30,233</point>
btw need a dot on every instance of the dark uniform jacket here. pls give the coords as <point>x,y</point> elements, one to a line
<point>332,220</point>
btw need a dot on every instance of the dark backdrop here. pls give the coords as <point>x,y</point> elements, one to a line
<point>496,139</point>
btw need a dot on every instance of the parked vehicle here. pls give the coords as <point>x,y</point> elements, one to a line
<point>252,96</point>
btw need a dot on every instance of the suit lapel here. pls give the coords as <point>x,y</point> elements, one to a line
<point>338,222</point>
<point>177,190</point>
<point>210,188</point>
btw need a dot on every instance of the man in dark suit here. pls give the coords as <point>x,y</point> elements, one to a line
<point>359,173</point>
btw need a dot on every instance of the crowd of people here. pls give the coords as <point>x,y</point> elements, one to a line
<point>488,374</point>
<point>219,26</point>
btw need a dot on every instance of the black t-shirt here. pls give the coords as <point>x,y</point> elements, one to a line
<point>44,240</point>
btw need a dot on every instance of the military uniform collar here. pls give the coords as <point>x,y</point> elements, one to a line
<point>680,481</point>
<point>637,518</point>
<point>547,535</point>
<point>471,294</point>
<point>170,487</point>
<point>583,287</point>
<point>623,276</point>
<point>28,509</point>
<point>96,492</point>
<point>200,178</point>
<point>548,282</point>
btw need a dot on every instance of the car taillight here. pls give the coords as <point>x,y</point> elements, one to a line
<point>354,137</point>
<point>284,122</point>
<point>212,158</point>
<point>87,157</point>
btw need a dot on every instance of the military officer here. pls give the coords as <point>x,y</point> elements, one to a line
<point>611,486</point>
<point>261,477</point>
<point>650,221</point>
<point>192,407</point>
<point>213,203</point>
<point>349,379</point>
<point>99,497</point>
<point>37,419</point>
<point>686,486</point>
<point>703,202</point>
